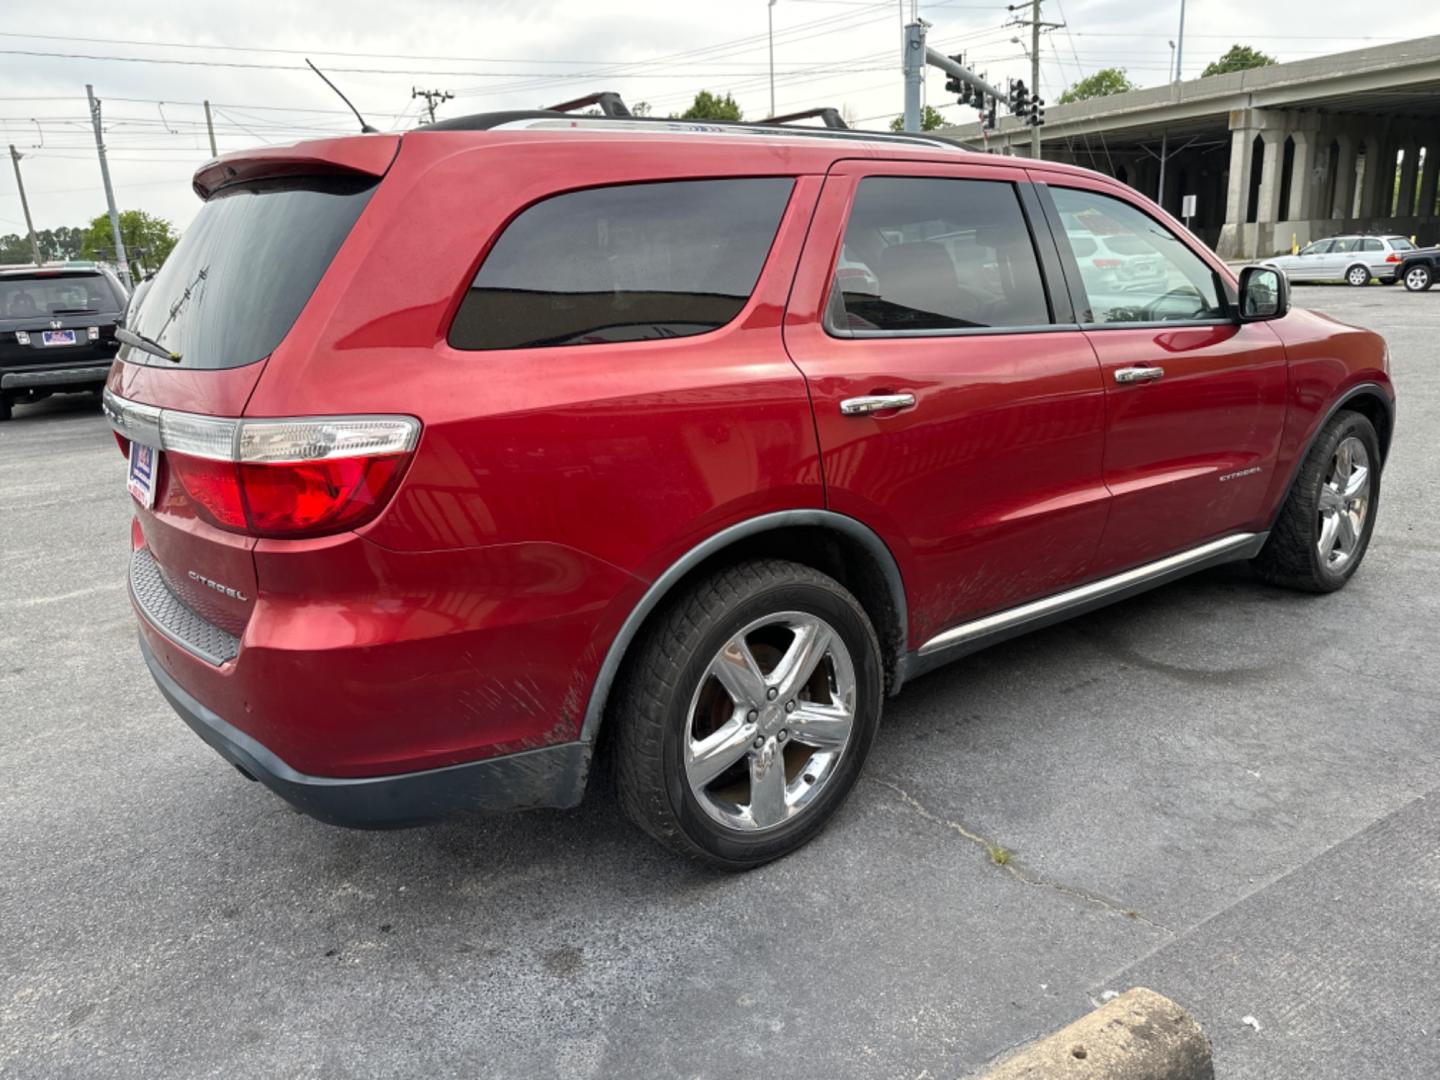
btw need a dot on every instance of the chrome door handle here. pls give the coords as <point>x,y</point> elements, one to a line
<point>1139,374</point>
<point>860,406</point>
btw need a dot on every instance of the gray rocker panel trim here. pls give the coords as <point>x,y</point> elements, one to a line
<point>662,585</point>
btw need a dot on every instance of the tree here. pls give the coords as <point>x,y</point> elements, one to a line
<point>56,245</point>
<point>1103,83</point>
<point>1238,58</point>
<point>930,119</point>
<point>708,106</point>
<point>148,240</point>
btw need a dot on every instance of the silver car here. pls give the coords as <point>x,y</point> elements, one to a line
<point>1353,259</point>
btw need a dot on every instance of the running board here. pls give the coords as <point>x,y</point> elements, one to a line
<point>968,637</point>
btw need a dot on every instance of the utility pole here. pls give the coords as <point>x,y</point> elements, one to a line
<point>210,127</point>
<point>1036,25</point>
<point>770,13</point>
<point>15,157</point>
<point>122,266</point>
<point>436,97</point>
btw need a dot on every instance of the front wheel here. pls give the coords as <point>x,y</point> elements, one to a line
<point>1418,279</point>
<point>1324,528</point>
<point>746,712</point>
<point>1357,275</point>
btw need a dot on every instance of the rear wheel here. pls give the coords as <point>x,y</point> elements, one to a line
<point>1324,528</point>
<point>746,713</point>
<point>1418,278</point>
<point>1357,275</point>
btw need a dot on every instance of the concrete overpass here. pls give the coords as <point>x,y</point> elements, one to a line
<point>1338,143</point>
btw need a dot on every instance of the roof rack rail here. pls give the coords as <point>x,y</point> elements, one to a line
<point>830,116</point>
<point>611,104</point>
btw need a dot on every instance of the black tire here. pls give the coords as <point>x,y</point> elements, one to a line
<point>1290,557</point>
<point>5,408</point>
<point>651,707</point>
<point>1357,275</point>
<point>1417,278</point>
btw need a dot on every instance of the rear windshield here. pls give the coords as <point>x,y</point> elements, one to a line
<point>56,294</point>
<point>626,263</point>
<point>1399,243</point>
<point>234,285</point>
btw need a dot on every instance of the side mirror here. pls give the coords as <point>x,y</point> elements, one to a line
<point>1264,294</point>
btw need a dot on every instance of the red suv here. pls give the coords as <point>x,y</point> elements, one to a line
<point>462,454</point>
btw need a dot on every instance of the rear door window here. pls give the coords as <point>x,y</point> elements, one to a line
<point>1372,244</point>
<point>234,285</point>
<point>937,254</point>
<point>633,262</point>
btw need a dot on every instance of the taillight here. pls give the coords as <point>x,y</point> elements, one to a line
<point>1393,257</point>
<point>306,476</point>
<point>1106,264</point>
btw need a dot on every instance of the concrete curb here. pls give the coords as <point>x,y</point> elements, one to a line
<point>1139,1035</point>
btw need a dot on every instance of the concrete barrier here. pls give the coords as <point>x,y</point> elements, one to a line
<point>1139,1035</point>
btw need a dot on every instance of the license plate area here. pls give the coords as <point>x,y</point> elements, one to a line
<point>144,467</point>
<point>57,337</point>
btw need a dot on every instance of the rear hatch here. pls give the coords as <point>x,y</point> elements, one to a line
<point>55,316</point>
<point>196,343</point>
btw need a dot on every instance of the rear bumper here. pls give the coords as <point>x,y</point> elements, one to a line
<point>92,372</point>
<point>553,776</point>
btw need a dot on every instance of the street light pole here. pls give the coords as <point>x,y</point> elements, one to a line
<point>1180,43</point>
<point>122,266</point>
<point>770,13</point>
<point>1035,76</point>
<point>15,157</point>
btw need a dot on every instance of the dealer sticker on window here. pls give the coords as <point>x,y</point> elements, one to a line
<point>144,461</point>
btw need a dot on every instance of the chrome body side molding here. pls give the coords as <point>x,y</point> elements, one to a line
<point>971,636</point>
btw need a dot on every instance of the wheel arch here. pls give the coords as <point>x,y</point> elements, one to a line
<point>1371,401</point>
<point>841,546</point>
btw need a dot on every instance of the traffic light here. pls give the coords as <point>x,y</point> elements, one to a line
<point>990,116</point>
<point>1019,98</point>
<point>954,85</point>
<point>1037,112</point>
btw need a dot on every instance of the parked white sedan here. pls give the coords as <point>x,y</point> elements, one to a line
<point>1353,259</point>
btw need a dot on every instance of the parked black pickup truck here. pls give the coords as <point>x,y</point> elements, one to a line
<point>57,331</point>
<point>1420,269</point>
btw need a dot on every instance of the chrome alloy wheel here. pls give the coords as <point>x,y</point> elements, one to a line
<point>1358,275</point>
<point>770,720</point>
<point>1344,503</point>
<point>1417,278</point>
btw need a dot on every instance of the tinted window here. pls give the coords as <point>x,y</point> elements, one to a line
<point>1145,274</point>
<point>234,285</point>
<point>938,255</point>
<point>629,263</point>
<point>56,294</point>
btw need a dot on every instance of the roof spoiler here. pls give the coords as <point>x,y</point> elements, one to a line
<point>367,155</point>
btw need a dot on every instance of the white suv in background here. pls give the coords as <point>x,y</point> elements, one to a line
<point>1353,259</point>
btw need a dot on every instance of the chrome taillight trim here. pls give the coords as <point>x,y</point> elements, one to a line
<point>263,440</point>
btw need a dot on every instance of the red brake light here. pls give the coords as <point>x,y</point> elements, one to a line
<point>1106,264</point>
<point>313,497</point>
<point>213,485</point>
<point>1394,256</point>
<point>283,477</point>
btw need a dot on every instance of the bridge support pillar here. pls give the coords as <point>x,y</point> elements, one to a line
<point>1343,167</point>
<point>1429,178</point>
<point>1409,172</point>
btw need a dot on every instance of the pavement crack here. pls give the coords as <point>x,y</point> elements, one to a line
<point>1018,872</point>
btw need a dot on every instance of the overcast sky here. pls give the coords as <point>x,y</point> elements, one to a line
<point>495,54</point>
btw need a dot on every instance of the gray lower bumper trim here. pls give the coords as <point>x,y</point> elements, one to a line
<point>553,776</point>
<point>13,380</point>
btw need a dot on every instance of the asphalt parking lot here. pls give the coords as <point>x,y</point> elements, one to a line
<point>1222,791</point>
